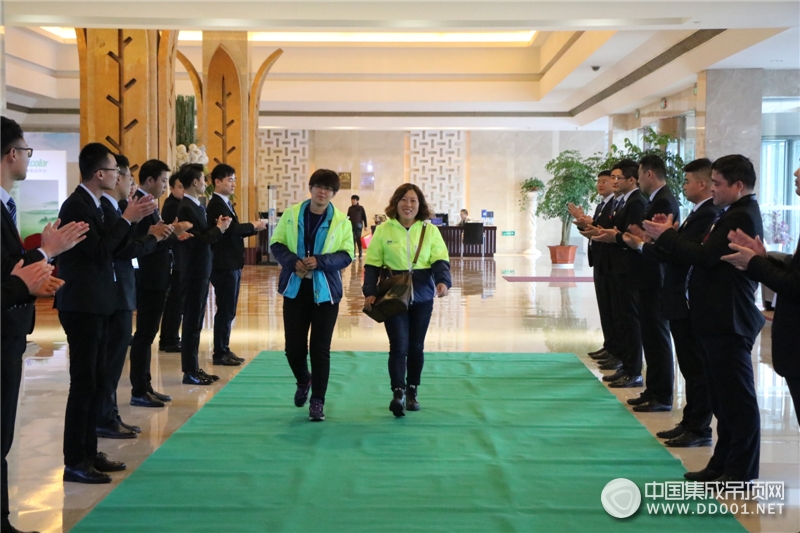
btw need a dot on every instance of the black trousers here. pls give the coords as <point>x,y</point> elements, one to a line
<point>300,314</point>
<point>173,311</point>
<point>86,338</point>
<point>697,411</point>
<point>149,306</point>
<point>728,366</point>
<point>407,344</point>
<point>627,331</point>
<point>120,326</point>
<point>194,309</point>
<point>794,390</point>
<point>604,293</point>
<point>657,345</point>
<point>226,286</point>
<point>13,347</point>
<point>357,239</point>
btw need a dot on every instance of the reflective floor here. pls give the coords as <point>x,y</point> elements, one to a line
<point>483,312</point>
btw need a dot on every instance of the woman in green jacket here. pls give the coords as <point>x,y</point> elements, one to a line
<point>394,245</point>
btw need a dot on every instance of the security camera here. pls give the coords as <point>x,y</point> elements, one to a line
<point>596,68</point>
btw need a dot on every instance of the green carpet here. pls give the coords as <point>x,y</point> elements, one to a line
<point>504,442</point>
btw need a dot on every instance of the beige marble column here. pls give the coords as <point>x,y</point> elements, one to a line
<point>729,113</point>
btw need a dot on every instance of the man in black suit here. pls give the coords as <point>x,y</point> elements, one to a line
<point>227,262</point>
<point>85,304</point>
<point>152,281</point>
<point>109,422</point>
<point>626,266</point>
<point>783,278</point>
<point>25,275</point>
<point>694,428</point>
<point>598,260</point>
<point>358,218</point>
<point>196,270</point>
<point>170,336</point>
<point>725,318</point>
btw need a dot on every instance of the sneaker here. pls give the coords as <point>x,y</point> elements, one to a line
<point>301,394</point>
<point>315,413</point>
<point>411,398</point>
<point>398,404</point>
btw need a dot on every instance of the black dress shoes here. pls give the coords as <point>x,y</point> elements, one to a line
<point>236,357</point>
<point>135,429</point>
<point>115,432</point>
<point>639,400</point>
<point>677,431</point>
<point>170,348</point>
<point>195,379</point>
<point>202,374</point>
<point>597,353</point>
<point>102,463</point>
<point>613,364</point>
<point>85,473</point>
<point>225,360</point>
<point>688,439</point>
<point>146,400</point>
<point>162,397</point>
<point>704,475</point>
<point>626,382</point>
<point>652,406</point>
<point>614,377</point>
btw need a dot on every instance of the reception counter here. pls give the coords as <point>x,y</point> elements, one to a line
<point>452,238</point>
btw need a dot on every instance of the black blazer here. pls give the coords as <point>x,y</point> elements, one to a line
<point>169,212</point>
<point>597,253</point>
<point>651,275</point>
<point>18,310</point>
<point>622,259</point>
<point>721,298</point>
<point>229,249</point>
<point>88,268</point>
<point>784,279</point>
<point>196,251</point>
<point>125,277</point>
<point>154,267</point>
<point>693,229</point>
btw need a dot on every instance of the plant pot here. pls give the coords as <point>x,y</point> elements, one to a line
<point>563,255</point>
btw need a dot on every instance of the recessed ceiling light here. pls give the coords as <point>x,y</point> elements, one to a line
<point>776,60</point>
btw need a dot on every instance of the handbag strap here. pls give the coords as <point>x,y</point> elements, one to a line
<point>419,245</point>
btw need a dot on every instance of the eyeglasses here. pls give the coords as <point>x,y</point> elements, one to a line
<point>110,169</point>
<point>323,188</point>
<point>29,150</point>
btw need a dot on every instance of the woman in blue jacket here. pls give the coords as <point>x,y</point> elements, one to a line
<point>394,244</point>
<point>313,242</point>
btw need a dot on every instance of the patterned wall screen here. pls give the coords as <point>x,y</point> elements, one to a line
<point>437,167</point>
<point>283,161</point>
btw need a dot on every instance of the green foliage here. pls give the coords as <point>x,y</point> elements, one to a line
<point>657,143</point>
<point>573,182</point>
<point>529,185</point>
<point>184,120</point>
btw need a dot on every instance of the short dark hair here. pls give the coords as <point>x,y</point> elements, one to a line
<point>10,132</point>
<point>221,172</point>
<point>702,165</point>
<point>424,212</point>
<point>629,168</point>
<point>92,157</point>
<point>189,173</point>
<point>173,178</point>
<point>152,168</point>
<point>603,173</point>
<point>655,164</point>
<point>325,178</point>
<point>735,168</point>
<point>355,197</point>
<point>122,161</point>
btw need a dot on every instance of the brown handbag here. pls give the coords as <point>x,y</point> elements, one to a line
<point>395,291</point>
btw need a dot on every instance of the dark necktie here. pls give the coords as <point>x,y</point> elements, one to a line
<point>619,205</point>
<point>230,206</point>
<point>598,211</point>
<point>119,211</point>
<point>100,212</point>
<point>12,208</point>
<point>705,238</point>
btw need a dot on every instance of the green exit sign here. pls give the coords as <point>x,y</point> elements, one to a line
<point>509,233</point>
<point>509,272</point>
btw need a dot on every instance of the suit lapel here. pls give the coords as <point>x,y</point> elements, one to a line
<point>9,223</point>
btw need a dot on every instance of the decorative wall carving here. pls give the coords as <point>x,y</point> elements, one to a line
<point>282,160</point>
<point>437,167</point>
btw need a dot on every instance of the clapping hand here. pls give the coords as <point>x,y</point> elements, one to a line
<point>49,287</point>
<point>608,235</point>
<point>746,248</point>
<point>656,227</point>
<point>181,228</point>
<point>32,275</point>
<point>56,240</point>
<point>138,208</point>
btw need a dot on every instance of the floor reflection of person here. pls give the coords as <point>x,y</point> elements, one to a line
<point>394,245</point>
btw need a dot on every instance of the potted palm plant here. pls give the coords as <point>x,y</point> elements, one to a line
<point>573,181</point>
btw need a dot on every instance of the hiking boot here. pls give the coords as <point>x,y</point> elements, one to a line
<point>301,395</point>
<point>411,398</point>
<point>398,404</point>
<point>315,413</point>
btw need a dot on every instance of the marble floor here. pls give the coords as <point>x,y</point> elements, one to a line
<point>483,312</point>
